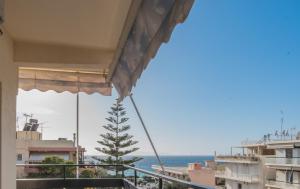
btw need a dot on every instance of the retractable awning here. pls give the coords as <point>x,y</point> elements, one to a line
<point>88,46</point>
<point>153,26</point>
<point>62,80</point>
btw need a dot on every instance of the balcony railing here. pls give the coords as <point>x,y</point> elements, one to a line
<point>34,176</point>
<point>281,184</point>
<point>282,161</point>
<point>238,177</point>
<point>237,158</point>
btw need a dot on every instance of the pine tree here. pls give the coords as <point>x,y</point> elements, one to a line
<point>117,143</point>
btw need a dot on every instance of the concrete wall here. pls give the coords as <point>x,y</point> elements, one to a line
<point>203,176</point>
<point>8,78</point>
<point>29,135</point>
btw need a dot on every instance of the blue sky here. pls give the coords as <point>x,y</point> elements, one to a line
<point>223,77</point>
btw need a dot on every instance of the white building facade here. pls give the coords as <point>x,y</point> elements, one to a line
<point>266,165</point>
<point>241,172</point>
<point>285,164</point>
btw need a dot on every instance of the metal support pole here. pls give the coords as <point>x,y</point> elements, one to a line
<point>160,183</point>
<point>77,135</point>
<point>123,174</point>
<point>117,172</point>
<point>64,172</point>
<point>135,178</point>
<point>147,133</point>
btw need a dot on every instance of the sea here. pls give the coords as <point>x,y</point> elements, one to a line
<point>168,161</point>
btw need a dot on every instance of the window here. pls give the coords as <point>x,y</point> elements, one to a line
<point>19,157</point>
<point>289,153</point>
<point>239,186</point>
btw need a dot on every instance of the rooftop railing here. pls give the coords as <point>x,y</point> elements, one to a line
<point>34,176</point>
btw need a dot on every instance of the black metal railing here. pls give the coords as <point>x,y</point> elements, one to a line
<point>162,179</point>
<point>30,176</point>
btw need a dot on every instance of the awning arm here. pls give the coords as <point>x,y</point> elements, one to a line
<point>147,133</point>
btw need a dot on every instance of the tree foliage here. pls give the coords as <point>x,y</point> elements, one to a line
<point>54,171</point>
<point>95,172</point>
<point>117,143</point>
<point>87,173</point>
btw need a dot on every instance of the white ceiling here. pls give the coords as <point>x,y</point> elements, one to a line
<point>82,23</point>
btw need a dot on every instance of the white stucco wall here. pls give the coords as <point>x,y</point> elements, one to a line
<point>8,78</point>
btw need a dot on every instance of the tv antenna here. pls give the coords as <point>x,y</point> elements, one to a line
<point>281,124</point>
<point>292,130</point>
<point>43,127</point>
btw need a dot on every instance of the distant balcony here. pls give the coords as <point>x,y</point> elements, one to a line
<point>282,185</point>
<point>283,162</point>
<point>49,176</point>
<point>220,187</point>
<point>237,159</point>
<point>238,177</point>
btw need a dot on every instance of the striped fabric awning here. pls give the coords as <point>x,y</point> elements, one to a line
<point>152,27</point>
<point>61,80</point>
<point>148,24</point>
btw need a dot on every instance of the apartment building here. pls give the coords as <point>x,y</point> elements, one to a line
<point>246,170</point>
<point>263,164</point>
<point>32,149</point>
<point>285,165</point>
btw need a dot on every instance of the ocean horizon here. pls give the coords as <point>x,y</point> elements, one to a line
<point>168,160</point>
